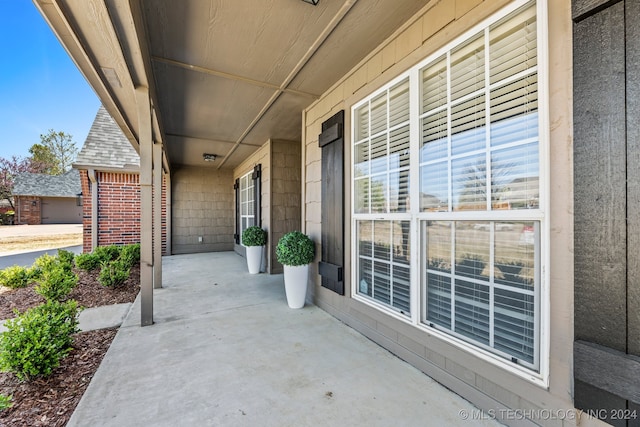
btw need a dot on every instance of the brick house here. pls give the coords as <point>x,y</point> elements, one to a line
<point>469,169</point>
<point>47,199</point>
<point>109,175</point>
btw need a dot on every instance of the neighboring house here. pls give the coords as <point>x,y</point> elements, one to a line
<point>469,169</point>
<point>109,170</point>
<point>47,199</point>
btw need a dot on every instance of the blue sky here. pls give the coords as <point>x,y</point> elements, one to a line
<point>40,87</point>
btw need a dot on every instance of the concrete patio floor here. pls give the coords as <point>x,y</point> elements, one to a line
<point>225,350</point>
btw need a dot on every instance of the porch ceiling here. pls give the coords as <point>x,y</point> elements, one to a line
<point>224,75</point>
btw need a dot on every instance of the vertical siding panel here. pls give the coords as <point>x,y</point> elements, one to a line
<point>599,176</point>
<point>633,174</point>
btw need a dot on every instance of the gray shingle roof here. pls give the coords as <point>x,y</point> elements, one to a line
<point>43,185</point>
<point>106,147</point>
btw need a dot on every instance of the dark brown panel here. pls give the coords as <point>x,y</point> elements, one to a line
<point>615,372</point>
<point>633,174</point>
<point>599,179</point>
<point>581,9</point>
<point>333,204</point>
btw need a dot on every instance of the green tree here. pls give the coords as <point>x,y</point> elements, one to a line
<point>43,156</point>
<point>56,152</point>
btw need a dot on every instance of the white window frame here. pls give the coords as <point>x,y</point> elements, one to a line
<point>246,186</point>
<point>541,215</point>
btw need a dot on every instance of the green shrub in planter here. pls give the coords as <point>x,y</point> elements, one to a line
<point>294,249</point>
<point>36,340</point>
<point>254,236</point>
<point>15,277</point>
<point>113,273</point>
<point>56,283</point>
<point>88,261</point>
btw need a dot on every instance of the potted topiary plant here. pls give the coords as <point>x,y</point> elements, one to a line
<point>254,238</point>
<point>295,251</point>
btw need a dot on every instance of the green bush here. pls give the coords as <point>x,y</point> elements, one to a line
<point>113,273</point>
<point>254,236</point>
<point>36,340</point>
<point>294,249</point>
<point>15,277</point>
<point>66,258</point>
<point>108,253</point>
<point>130,254</point>
<point>56,283</point>
<point>88,261</point>
<point>5,402</point>
<point>45,262</point>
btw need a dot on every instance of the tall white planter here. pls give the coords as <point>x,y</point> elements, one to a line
<point>295,284</point>
<point>254,258</point>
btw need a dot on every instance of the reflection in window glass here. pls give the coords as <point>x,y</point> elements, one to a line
<point>493,281</point>
<point>469,175</point>
<point>384,271</point>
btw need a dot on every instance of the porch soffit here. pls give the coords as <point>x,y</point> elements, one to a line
<point>223,74</point>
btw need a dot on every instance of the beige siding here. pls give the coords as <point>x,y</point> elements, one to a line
<point>281,180</point>
<point>482,382</point>
<point>202,207</point>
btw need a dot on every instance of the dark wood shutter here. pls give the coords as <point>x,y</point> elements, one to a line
<point>606,154</point>
<point>236,189</point>
<point>331,141</point>
<point>256,176</point>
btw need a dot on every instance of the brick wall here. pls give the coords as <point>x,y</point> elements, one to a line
<point>28,210</point>
<point>118,209</point>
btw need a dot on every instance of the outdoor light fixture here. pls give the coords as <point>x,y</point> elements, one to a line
<point>208,157</point>
<point>313,2</point>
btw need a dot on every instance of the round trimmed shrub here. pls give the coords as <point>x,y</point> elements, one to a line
<point>15,277</point>
<point>294,249</point>
<point>254,236</point>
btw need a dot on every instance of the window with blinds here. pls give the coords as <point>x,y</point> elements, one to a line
<point>473,133</point>
<point>247,196</point>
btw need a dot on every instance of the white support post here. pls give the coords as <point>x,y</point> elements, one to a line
<point>157,215</point>
<point>145,140</point>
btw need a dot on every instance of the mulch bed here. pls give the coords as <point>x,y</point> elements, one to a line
<point>51,401</point>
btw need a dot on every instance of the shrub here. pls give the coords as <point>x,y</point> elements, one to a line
<point>45,262</point>
<point>107,253</point>
<point>113,273</point>
<point>254,236</point>
<point>56,283</point>
<point>66,258</point>
<point>15,277</point>
<point>5,402</point>
<point>294,249</point>
<point>88,261</point>
<point>130,254</point>
<point>36,340</point>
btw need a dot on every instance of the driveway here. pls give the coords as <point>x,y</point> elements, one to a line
<point>21,244</point>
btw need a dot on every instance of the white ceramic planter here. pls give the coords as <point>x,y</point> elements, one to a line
<point>295,284</point>
<point>254,258</point>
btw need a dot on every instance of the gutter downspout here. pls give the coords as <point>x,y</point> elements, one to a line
<point>94,207</point>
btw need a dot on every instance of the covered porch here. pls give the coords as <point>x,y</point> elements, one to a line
<point>226,350</point>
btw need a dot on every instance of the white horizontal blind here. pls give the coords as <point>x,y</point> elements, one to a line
<point>480,152</point>
<point>476,131</point>
<point>381,174</point>
<point>247,218</point>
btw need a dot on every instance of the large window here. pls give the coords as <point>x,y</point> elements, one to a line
<point>247,200</point>
<point>446,160</point>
